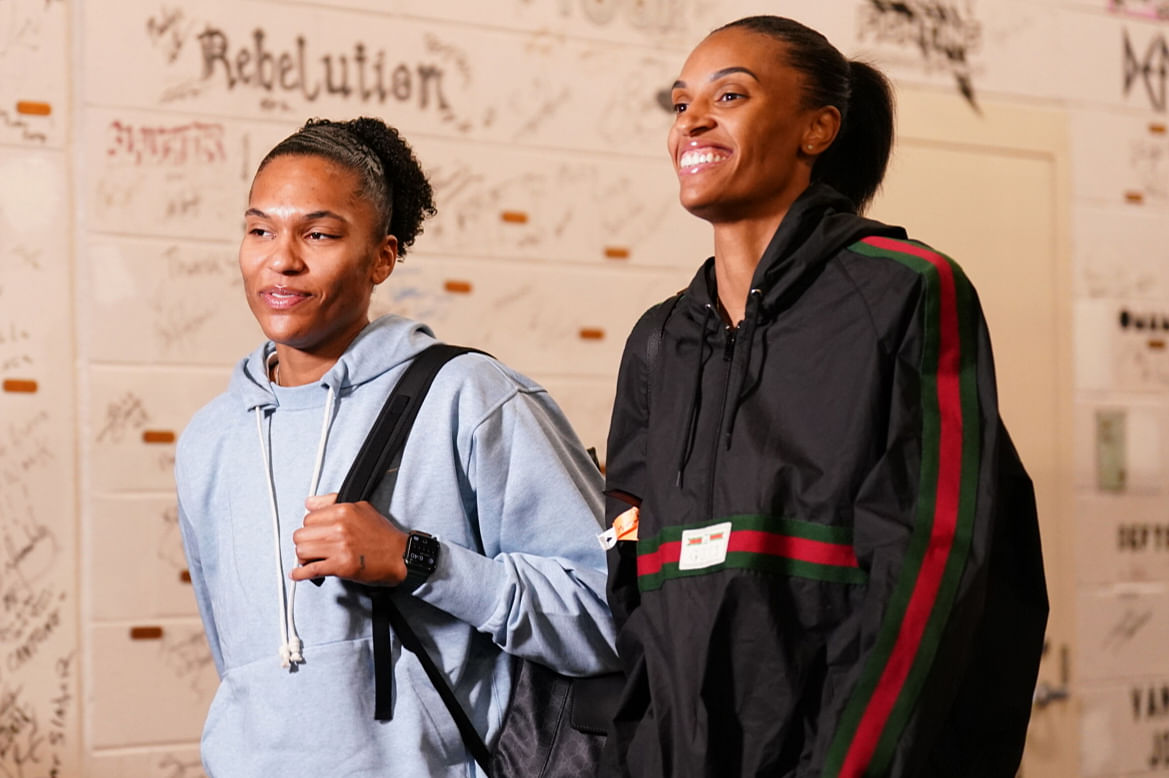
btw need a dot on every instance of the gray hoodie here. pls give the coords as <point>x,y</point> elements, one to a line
<point>492,469</point>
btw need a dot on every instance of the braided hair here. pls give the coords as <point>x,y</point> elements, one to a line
<point>391,178</point>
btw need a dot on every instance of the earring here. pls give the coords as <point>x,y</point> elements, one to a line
<point>810,147</point>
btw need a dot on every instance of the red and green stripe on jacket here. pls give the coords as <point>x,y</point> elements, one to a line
<point>916,614</point>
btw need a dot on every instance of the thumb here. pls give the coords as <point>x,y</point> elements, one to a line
<point>316,502</point>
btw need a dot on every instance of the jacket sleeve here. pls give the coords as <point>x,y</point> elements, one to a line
<point>534,496</point>
<point>625,471</point>
<point>626,478</point>
<point>947,642</point>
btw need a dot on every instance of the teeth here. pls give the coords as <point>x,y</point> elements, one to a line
<point>695,158</point>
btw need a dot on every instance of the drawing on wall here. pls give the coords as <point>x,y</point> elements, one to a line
<point>412,294</point>
<point>651,16</point>
<point>942,33</point>
<point>1141,350</point>
<point>165,176</point>
<point>192,142</point>
<point>637,113</point>
<point>136,315</point>
<point>281,71</point>
<point>512,204</point>
<point>1150,703</point>
<point>34,611</point>
<point>1149,163</point>
<point>189,661</point>
<point>34,608</point>
<point>1141,9</point>
<point>478,82</point>
<point>20,119</point>
<point>171,766</point>
<point>38,654</point>
<point>32,45</point>
<point>472,197</point>
<point>1118,255</point>
<point>1146,68</point>
<point>1111,472</point>
<point>629,217</point>
<point>1101,280</point>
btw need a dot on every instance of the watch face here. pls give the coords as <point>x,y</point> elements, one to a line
<point>421,553</point>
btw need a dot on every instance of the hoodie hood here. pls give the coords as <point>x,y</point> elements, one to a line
<point>382,345</point>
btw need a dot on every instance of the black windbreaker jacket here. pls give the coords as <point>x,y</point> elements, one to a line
<point>838,569</point>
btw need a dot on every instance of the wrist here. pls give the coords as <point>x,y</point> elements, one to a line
<point>419,558</point>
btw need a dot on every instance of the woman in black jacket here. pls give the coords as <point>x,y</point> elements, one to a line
<point>836,569</point>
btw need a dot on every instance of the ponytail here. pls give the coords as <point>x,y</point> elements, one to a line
<point>855,163</point>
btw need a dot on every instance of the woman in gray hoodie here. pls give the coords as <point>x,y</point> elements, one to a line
<point>492,471</point>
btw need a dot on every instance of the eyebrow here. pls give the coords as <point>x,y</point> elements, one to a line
<point>308,216</point>
<point>324,215</point>
<point>716,75</point>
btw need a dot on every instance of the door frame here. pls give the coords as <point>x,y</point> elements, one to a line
<point>929,117</point>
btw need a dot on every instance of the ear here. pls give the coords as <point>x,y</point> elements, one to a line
<point>822,128</point>
<point>385,260</point>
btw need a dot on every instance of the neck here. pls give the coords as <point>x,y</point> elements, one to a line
<point>299,366</point>
<point>296,368</point>
<point>738,247</point>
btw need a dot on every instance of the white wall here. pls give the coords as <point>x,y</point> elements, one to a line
<point>129,131</point>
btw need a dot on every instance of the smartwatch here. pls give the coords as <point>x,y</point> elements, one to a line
<point>421,557</point>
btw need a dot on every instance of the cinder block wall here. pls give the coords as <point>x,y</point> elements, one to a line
<point>129,132</point>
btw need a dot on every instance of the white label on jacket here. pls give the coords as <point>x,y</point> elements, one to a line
<point>704,547</point>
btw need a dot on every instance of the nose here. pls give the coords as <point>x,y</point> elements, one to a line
<point>285,257</point>
<point>696,119</point>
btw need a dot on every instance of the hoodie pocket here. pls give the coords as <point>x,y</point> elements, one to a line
<point>318,720</point>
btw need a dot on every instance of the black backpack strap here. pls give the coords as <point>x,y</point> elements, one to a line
<point>381,453</point>
<point>655,322</point>
<point>471,738</point>
<point>382,450</point>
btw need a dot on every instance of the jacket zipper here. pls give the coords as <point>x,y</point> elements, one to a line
<point>728,357</point>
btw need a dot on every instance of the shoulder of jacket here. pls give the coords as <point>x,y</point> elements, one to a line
<point>210,421</point>
<point>905,254</point>
<point>480,386</point>
<point>653,321</point>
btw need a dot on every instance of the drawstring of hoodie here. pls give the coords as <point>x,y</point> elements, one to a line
<point>692,412</point>
<point>290,643</point>
<point>737,385</point>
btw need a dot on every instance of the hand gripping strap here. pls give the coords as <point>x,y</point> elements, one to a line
<point>381,453</point>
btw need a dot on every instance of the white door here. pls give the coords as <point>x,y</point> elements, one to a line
<point>991,192</point>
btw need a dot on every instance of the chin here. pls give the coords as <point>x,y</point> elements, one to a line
<point>283,332</point>
<point>703,208</point>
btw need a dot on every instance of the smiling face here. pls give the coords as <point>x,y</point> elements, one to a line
<point>311,256</point>
<point>742,142</point>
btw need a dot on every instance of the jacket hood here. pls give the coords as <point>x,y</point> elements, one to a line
<point>819,223</point>
<point>383,344</point>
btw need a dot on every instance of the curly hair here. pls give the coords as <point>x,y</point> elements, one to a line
<point>391,177</point>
